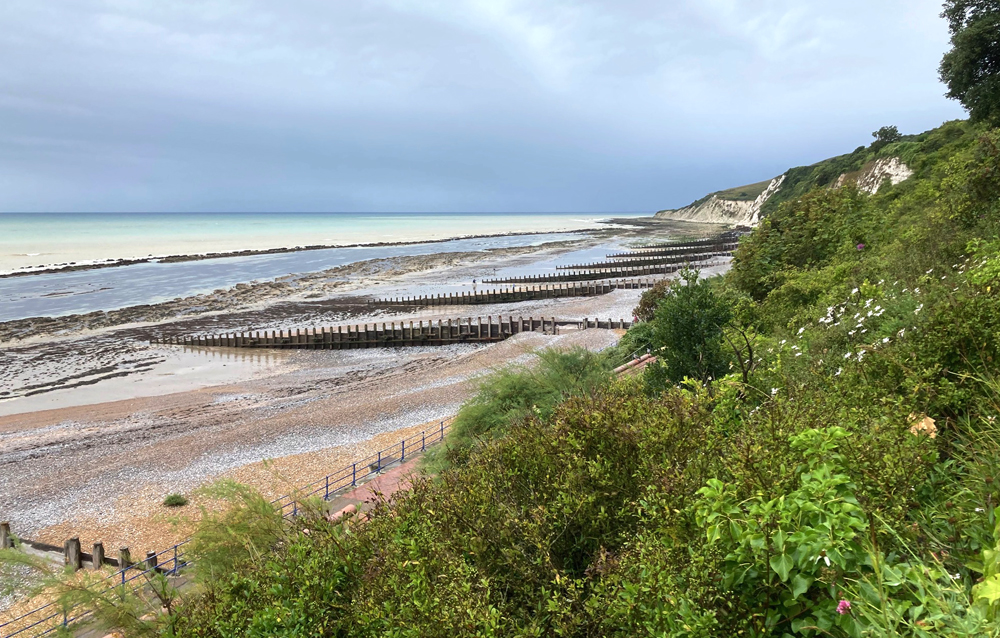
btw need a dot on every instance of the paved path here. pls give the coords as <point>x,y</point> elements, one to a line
<point>364,497</point>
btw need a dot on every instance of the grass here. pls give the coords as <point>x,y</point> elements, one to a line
<point>746,193</point>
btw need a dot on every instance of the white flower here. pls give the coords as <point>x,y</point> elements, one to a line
<point>919,308</point>
<point>851,332</point>
<point>980,510</point>
<point>901,332</point>
<point>870,313</point>
<point>868,302</point>
<point>782,342</point>
<point>802,329</point>
<point>885,339</point>
<point>854,292</point>
<point>839,370</point>
<point>798,354</point>
<point>916,291</point>
<point>864,331</point>
<point>929,271</point>
<point>861,354</point>
<point>774,391</point>
<point>847,356</point>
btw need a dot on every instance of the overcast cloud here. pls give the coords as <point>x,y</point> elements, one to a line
<point>458,105</point>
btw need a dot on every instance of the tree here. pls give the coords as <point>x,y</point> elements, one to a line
<point>972,68</point>
<point>887,135</point>
<point>688,333</point>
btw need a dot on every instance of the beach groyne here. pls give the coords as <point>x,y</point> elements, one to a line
<point>639,261</point>
<point>671,252</point>
<point>610,272</point>
<point>390,335</point>
<point>512,295</point>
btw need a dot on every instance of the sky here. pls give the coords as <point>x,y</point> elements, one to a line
<point>435,105</point>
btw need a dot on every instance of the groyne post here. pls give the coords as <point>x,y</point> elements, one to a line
<point>6,540</point>
<point>98,556</point>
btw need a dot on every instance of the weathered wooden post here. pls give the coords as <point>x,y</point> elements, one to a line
<point>124,558</point>
<point>6,540</point>
<point>150,560</point>
<point>98,556</point>
<point>72,555</point>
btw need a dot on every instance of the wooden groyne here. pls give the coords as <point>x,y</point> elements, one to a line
<point>650,252</point>
<point>512,295</point>
<point>642,260</point>
<point>443,333</point>
<point>728,236</point>
<point>599,275</point>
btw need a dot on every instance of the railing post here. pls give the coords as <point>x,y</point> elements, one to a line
<point>402,450</point>
<point>327,493</point>
<point>423,440</point>
<point>378,467</point>
<point>354,474</point>
<point>176,566</point>
<point>442,431</point>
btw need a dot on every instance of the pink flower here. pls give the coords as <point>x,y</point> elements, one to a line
<point>861,246</point>
<point>843,607</point>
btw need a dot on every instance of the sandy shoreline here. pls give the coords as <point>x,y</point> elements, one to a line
<point>114,424</point>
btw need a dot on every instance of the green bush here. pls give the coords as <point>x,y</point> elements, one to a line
<point>510,395</point>
<point>687,333</point>
<point>175,500</point>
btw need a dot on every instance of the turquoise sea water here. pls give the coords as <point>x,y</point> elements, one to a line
<point>36,240</point>
<point>55,294</point>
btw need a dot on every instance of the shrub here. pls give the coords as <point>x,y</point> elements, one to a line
<point>175,500</point>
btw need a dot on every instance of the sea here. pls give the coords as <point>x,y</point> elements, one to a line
<point>44,240</point>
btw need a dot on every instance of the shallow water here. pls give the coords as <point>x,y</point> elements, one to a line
<point>32,241</point>
<point>59,294</point>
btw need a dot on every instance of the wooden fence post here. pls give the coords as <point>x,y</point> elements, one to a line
<point>98,556</point>
<point>6,540</point>
<point>71,553</point>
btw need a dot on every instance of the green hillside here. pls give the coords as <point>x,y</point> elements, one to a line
<point>744,193</point>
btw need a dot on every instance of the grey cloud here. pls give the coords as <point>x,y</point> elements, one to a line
<point>473,105</point>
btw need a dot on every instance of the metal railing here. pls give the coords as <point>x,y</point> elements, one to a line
<point>52,617</point>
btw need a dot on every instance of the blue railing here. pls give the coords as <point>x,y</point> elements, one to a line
<point>51,617</point>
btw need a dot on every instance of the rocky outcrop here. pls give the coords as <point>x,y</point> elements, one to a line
<point>870,178</point>
<point>716,210</point>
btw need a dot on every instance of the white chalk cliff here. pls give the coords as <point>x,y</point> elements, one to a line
<point>716,210</point>
<point>872,176</point>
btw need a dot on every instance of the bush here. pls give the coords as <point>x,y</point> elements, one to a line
<point>175,500</point>
<point>687,333</point>
<point>510,395</point>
